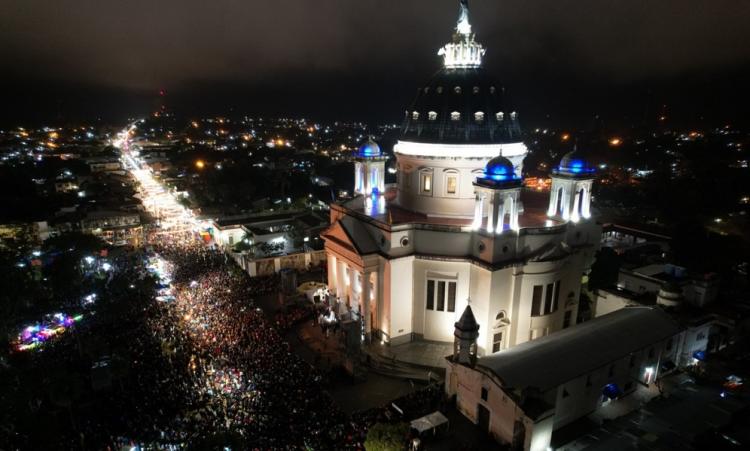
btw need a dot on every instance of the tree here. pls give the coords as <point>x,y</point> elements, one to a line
<point>387,437</point>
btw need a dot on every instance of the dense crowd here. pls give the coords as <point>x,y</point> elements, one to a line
<point>241,378</point>
<point>204,369</point>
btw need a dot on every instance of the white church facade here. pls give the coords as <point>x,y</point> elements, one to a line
<point>459,228</point>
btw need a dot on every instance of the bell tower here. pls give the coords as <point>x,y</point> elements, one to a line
<point>465,338</point>
<point>369,169</point>
<point>499,191</point>
<point>570,196</point>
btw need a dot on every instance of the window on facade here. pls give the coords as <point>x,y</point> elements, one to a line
<point>536,301</point>
<point>513,115</point>
<point>415,115</point>
<point>566,319</point>
<point>500,116</point>
<point>451,296</point>
<point>455,116</point>
<point>427,183</point>
<point>432,115</point>
<point>452,184</point>
<point>700,336</point>
<point>479,116</point>
<point>430,295</point>
<point>556,296</point>
<point>548,299</point>
<point>441,294</point>
<point>485,394</point>
<point>497,341</point>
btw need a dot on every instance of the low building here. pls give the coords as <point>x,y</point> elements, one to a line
<point>521,395</point>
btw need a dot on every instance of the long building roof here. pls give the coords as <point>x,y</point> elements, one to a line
<point>550,361</point>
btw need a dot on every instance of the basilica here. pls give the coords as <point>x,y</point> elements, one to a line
<point>458,228</point>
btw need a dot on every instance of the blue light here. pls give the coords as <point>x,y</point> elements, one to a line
<point>612,391</point>
<point>499,172</point>
<point>575,167</point>
<point>699,355</point>
<point>369,150</point>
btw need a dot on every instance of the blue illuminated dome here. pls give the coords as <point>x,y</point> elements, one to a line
<point>574,163</point>
<point>369,149</point>
<point>499,169</point>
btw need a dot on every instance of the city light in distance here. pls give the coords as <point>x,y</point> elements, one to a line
<point>200,164</point>
<point>614,142</point>
<point>565,137</point>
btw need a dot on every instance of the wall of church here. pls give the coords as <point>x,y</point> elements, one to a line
<point>504,414</point>
<point>542,276</point>
<point>399,289</point>
<point>438,196</point>
<point>435,324</point>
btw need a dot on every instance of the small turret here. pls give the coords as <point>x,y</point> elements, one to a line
<point>369,169</point>
<point>465,338</point>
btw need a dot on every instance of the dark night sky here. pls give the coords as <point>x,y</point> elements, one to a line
<point>363,59</point>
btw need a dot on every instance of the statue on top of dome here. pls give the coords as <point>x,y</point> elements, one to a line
<point>463,27</point>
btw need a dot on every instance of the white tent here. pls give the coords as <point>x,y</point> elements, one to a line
<point>429,422</point>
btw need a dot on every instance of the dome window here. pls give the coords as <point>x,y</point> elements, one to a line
<point>479,116</point>
<point>455,116</point>
<point>475,90</point>
<point>500,116</point>
<point>439,89</point>
<point>513,116</point>
<point>492,89</point>
<point>432,115</point>
<point>457,90</point>
<point>415,115</point>
<point>427,89</point>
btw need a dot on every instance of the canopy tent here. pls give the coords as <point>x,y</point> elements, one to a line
<point>429,422</point>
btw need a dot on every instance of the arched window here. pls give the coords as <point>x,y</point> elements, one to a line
<point>432,115</point>
<point>500,116</point>
<point>457,90</point>
<point>415,115</point>
<point>581,195</point>
<point>475,90</point>
<point>559,207</point>
<point>513,115</point>
<point>455,116</point>
<point>479,116</point>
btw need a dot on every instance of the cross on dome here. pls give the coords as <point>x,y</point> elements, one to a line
<point>463,51</point>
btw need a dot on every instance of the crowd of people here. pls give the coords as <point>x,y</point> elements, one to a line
<point>240,377</point>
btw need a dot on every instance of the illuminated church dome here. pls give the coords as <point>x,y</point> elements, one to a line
<point>499,170</point>
<point>461,103</point>
<point>369,149</point>
<point>574,164</point>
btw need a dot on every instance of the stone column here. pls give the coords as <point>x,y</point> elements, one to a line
<point>365,300</point>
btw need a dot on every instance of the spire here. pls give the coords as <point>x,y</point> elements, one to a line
<point>465,338</point>
<point>463,51</point>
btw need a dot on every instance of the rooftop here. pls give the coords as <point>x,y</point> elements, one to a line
<point>534,215</point>
<point>550,361</point>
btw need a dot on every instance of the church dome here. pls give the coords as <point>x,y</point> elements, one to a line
<point>369,149</point>
<point>499,168</point>
<point>461,105</point>
<point>574,163</point>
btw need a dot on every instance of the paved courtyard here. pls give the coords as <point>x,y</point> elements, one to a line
<point>667,423</point>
